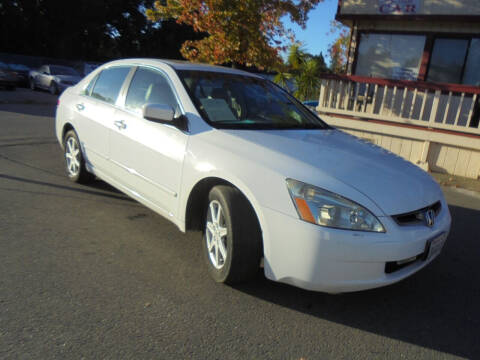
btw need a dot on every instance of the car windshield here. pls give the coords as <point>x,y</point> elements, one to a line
<point>232,101</point>
<point>63,70</point>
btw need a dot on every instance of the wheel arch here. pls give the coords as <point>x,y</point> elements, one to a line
<point>196,200</point>
<point>66,127</point>
<point>198,197</point>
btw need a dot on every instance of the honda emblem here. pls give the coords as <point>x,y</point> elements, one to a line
<point>430,217</point>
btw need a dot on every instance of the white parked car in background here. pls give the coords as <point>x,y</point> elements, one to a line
<point>54,78</point>
<point>231,154</point>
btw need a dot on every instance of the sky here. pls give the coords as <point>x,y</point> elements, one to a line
<point>316,37</point>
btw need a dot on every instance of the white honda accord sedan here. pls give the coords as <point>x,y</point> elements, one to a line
<point>233,155</point>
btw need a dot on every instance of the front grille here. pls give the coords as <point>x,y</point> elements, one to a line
<point>417,216</point>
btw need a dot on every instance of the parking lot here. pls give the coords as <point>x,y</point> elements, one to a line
<point>86,272</point>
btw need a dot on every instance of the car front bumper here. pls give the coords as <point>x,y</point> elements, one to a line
<point>334,261</point>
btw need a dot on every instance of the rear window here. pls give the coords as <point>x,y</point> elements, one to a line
<point>88,90</point>
<point>109,82</point>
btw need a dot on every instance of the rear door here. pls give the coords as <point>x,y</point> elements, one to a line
<point>149,154</point>
<point>95,109</point>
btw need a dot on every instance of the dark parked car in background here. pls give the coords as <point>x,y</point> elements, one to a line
<point>8,78</point>
<point>21,71</point>
<point>54,78</point>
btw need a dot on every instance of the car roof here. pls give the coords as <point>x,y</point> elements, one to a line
<point>181,65</point>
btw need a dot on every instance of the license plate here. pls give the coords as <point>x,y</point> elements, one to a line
<point>435,245</point>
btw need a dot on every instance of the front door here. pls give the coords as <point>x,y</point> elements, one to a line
<point>149,154</point>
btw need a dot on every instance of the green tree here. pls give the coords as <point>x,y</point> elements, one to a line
<point>302,71</point>
<point>308,81</point>
<point>283,76</point>
<point>296,56</point>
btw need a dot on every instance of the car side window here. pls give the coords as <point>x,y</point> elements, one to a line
<point>149,87</point>
<point>109,82</point>
<point>88,89</point>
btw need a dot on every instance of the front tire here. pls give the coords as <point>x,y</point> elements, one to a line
<point>53,88</point>
<point>32,85</point>
<point>74,161</point>
<point>232,239</point>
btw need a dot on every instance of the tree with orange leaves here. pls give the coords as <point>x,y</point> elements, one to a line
<point>247,32</point>
<point>338,50</point>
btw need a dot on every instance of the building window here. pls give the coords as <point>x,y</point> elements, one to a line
<point>391,56</point>
<point>446,63</point>
<point>471,75</point>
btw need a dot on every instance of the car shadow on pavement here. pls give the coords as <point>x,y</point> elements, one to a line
<point>437,308</point>
<point>31,109</point>
<point>105,190</point>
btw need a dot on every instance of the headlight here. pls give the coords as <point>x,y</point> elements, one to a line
<point>325,208</point>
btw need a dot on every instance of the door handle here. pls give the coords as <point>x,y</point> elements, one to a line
<point>80,107</point>
<point>120,124</point>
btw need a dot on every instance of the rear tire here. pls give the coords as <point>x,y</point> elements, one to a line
<point>232,239</point>
<point>74,161</point>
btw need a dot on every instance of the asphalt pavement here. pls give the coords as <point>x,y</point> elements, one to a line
<point>86,272</point>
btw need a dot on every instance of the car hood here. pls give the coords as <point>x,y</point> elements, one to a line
<point>395,185</point>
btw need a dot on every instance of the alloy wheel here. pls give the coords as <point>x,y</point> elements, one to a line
<point>72,156</point>
<point>216,235</point>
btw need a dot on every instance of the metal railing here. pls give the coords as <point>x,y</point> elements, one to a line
<point>439,106</point>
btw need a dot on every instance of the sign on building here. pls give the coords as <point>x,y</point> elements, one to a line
<point>399,7</point>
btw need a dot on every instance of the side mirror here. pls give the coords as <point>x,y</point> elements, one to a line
<point>158,113</point>
<point>164,114</point>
